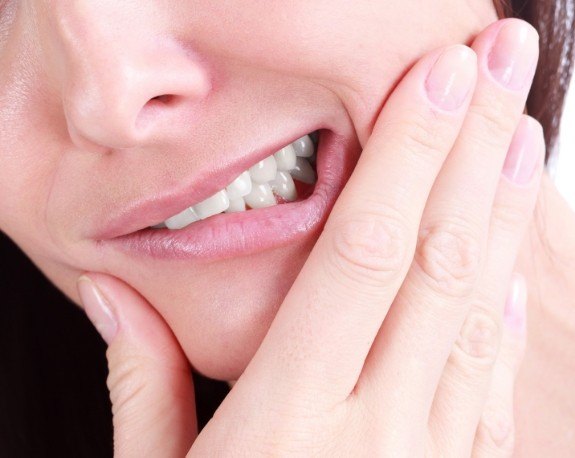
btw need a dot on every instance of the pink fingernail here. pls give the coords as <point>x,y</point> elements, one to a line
<point>516,304</point>
<point>452,77</point>
<point>524,151</point>
<point>513,57</point>
<point>97,309</point>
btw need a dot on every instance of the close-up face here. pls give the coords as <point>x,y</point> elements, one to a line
<point>117,116</point>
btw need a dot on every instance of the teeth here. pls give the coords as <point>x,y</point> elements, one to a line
<point>218,203</point>
<point>240,187</point>
<point>303,146</point>
<point>303,171</point>
<point>237,205</point>
<point>264,170</point>
<point>282,185</point>
<point>183,219</point>
<point>256,187</point>
<point>285,158</point>
<point>261,196</point>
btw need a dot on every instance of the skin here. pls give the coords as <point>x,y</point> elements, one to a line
<point>346,66</point>
<point>438,271</point>
<point>72,151</point>
<point>544,383</point>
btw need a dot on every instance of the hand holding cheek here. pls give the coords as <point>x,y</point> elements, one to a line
<point>385,344</point>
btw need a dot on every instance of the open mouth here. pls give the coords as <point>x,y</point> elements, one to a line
<point>282,199</point>
<point>288,175</point>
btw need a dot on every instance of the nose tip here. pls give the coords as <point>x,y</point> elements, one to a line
<point>124,105</point>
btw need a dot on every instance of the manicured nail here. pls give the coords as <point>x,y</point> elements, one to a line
<point>97,308</point>
<point>513,57</point>
<point>524,152</point>
<point>452,77</point>
<point>516,304</point>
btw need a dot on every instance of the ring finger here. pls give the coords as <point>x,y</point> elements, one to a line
<point>469,370</point>
<point>495,435</point>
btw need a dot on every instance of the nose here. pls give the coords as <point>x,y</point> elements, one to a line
<point>124,81</point>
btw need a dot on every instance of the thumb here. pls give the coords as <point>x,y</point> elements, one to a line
<point>149,379</point>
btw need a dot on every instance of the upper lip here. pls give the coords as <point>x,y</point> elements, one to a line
<point>153,209</point>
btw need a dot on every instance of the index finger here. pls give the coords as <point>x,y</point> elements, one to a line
<point>328,321</point>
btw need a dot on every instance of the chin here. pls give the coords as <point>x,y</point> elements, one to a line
<point>221,315</point>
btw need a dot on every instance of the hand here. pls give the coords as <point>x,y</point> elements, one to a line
<point>388,342</point>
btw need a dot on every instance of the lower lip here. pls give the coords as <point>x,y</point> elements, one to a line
<point>240,234</point>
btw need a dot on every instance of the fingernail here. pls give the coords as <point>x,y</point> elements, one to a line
<point>513,57</point>
<point>516,304</point>
<point>452,77</point>
<point>524,152</point>
<point>97,308</point>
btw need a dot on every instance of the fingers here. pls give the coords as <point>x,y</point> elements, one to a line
<point>468,372</point>
<point>452,249</point>
<point>149,378</point>
<point>495,434</point>
<point>323,331</point>
<point>476,363</point>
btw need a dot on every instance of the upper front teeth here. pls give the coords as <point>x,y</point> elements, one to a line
<point>256,187</point>
<point>218,203</point>
<point>285,158</point>
<point>240,187</point>
<point>264,170</point>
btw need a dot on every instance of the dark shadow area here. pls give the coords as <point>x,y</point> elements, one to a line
<point>54,401</point>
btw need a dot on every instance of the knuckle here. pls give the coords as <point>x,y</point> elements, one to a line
<point>449,257</point>
<point>477,346</point>
<point>496,433</point>
<point>369,249</point>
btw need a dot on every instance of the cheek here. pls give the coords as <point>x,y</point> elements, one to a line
<point>360,50</point>
<point>219,312</point>
<point>31,128</point>
<point>28,168</point>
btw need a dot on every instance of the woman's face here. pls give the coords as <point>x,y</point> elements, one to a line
<point>115,116</point>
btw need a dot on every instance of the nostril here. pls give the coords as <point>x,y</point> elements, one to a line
<point>166,99</point>
<point>157,107</point>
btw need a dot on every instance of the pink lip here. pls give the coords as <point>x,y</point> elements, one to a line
<point>156,208</point>
<point>237,234</point>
